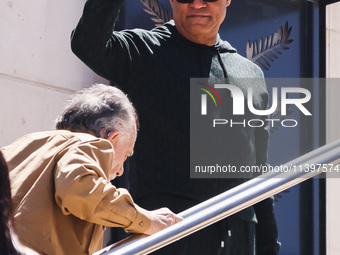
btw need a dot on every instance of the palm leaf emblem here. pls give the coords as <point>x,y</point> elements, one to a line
<point>158,13</point>
<point>269,49</point>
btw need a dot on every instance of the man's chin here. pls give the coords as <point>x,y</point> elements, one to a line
<point>199,27</point>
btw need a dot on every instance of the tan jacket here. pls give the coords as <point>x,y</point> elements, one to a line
<point>61,193</point>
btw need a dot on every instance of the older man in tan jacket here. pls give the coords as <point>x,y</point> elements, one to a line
<point>60,180</point>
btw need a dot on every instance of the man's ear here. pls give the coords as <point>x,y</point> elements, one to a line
<point>113,136</point>
<point>228,2</point>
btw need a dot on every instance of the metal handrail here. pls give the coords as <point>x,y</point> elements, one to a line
<point>233,200</point>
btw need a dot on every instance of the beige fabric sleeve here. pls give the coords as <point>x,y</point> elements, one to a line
<point>82,188</point>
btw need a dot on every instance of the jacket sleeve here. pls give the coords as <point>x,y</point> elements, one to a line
<point>111,54</point>
<point>82,188</point>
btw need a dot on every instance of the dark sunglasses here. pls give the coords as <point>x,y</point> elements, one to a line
<point>190,1</point>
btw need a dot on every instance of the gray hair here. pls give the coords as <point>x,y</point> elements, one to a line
<point>99,108</point>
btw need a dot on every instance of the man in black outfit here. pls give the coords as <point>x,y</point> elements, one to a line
<point>154,67</point>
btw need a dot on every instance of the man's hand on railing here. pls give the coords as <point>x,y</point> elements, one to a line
<point>161,219</point>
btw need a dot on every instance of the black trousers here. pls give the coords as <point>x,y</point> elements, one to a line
<point>231,236</point>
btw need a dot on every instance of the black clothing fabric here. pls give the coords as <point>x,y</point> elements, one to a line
<point>154,68</point>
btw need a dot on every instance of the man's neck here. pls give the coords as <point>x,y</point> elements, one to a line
<point>204,39</point>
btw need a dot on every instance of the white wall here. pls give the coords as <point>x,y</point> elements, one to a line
<point>333,126</point>
<point>38,71</point>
